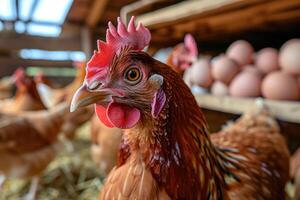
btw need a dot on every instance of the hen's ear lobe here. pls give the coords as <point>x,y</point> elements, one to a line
<point>158,102</point>
<point>156,80</point>
<point>159,98</point>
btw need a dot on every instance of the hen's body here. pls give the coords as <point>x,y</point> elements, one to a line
<point>28,142</point>
<point>264,169</point>
<point>172,157</point>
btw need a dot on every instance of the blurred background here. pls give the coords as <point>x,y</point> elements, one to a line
<point>53,34</point>
<point>229,52</point>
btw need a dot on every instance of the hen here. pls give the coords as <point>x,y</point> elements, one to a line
<point>106,141</point>
<point>26,98</point>
<point>29,142</point>
<point>166,151</point>
<point>52,97</point>
<point>183,54</point>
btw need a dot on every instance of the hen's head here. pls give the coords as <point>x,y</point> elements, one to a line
<point>183,54</point>
<point>23,82</point>
<point>121,80</point>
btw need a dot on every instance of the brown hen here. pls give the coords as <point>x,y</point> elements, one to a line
<point>183,54</point>
<point>52,97</point>
<point>166,151</point>
<point>29,142</point>
<point>26,98</point>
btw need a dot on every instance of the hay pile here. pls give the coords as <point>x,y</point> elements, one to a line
<point>72,175</point>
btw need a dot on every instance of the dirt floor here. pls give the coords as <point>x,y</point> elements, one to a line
<point>72,175</point>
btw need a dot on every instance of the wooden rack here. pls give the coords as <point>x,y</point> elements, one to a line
<point>288,111</point>
<point>219,110</point>
<point>217,19</point>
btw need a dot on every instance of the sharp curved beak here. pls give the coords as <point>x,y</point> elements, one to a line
<point>84,97</point>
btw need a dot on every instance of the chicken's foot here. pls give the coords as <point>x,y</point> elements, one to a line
<point>31,195</point>
<point>2,180</point>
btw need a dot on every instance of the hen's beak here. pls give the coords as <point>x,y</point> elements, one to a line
<point>84,97</point>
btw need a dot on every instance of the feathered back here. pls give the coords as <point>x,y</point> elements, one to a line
<point>136,38</point>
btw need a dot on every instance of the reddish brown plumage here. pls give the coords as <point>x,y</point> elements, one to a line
<point>176,149</point>
<point>60,95</point>
<point>26,98</point>
<point>168,153</point>
<point>28,142</point>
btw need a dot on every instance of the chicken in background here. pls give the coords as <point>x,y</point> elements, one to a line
<point>166,151</point>
<point>183,55</point>
<point>295,173</point>
<point>26,98</point>
<point>51,97</point>
<point>180,57</point>
<point>29,142</point>
<point>265,155</point>
<point>105,145</point>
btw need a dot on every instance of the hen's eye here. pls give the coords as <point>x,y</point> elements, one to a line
<point>133,75</point>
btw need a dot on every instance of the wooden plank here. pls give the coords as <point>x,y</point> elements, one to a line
<point>186,9</point>
<point>98,9</point>
<point>140,7</point>
<point>9,65</point>
<point>266,15</point>
<point>21,41</point>
<point>284,110</point>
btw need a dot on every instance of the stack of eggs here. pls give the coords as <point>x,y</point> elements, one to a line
<point>241,72</point>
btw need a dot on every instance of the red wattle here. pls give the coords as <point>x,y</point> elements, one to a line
<point>122,116</point>
<point>101,114</point>
<point>118,115</point>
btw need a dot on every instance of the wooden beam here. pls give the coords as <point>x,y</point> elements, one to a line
<point>139,7</point>
<point>22,41</point>
<point>17,9</point>
<point>97,11</point>
<point>86,42</point>
<point>9,65</point>
<point>32,9</point>
<point>288,111</point>
<point>186,9</point>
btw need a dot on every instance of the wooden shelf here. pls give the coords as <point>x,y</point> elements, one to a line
<point>283,110</point>
<point>211,20</point>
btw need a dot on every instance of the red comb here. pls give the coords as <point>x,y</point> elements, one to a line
<point>190,44</point>
<point>19,74</point>
<point>136,38</point>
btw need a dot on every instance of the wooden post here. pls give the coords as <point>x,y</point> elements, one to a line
<point>86,42</point>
